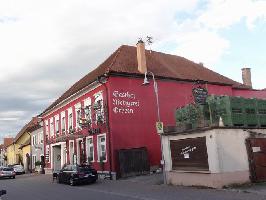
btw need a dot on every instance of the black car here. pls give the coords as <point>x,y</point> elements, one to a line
<point>75,174</point>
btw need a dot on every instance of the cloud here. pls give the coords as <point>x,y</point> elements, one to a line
<point>46,46</point>
<point>221,14</point>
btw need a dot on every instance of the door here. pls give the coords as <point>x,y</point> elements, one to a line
<point>256,148</point>
<point>133,162</point>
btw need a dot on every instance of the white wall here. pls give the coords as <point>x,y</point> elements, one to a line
<point>226,149</point>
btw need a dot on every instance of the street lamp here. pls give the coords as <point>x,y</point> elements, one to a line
<point>155,87</point>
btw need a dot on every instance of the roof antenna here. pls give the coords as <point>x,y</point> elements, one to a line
<point>149,40</point>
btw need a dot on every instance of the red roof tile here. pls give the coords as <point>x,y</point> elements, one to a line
<point>8,141</point>
<point>124,60</point>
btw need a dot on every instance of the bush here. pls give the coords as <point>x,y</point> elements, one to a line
<point>38,163</point>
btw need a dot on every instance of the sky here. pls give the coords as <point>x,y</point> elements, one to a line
<point>46,46</point>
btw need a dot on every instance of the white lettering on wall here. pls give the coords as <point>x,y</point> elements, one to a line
<point>124,102</point>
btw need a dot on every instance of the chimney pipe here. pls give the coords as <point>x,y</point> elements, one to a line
<point>246,77</point>
<point>141,57</point>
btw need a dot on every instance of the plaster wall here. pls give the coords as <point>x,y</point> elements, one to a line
<point>227,158</point>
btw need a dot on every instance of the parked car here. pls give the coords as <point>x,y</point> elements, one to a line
<point>19,169</point>
<point>75,174</point>
<point>7,172</point>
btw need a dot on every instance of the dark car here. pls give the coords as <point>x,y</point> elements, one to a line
<point>7,172</point>
<point>75,174</point>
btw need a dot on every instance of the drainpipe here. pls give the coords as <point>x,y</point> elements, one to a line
<point>99,79</point>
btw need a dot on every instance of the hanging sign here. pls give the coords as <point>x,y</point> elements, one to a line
<point>159,127</point>
<point>200,95</point>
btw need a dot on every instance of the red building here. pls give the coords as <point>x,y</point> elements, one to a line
<point>108,117</point>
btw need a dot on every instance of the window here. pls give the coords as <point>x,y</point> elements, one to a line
<point>41,137</point>
<point>47,156</point>
<point>98,108</point>
<point>46,128</point>
<point>90,149</point>
<point>57,126</point>
<point>33,161</point>
<point>34,142</point>
<point>71,152</point>
<point>70,121</point>
<point>102,147</point>
<point>63,124</point>
<point>78,117</point>
<point>51,127</point>
<point>87,109</point>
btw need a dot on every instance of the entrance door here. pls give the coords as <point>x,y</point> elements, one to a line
<point>57,157</point>
<point>257,158</point>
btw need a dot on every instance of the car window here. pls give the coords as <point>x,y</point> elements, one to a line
<point>7,169</point>
<point>84,168</point>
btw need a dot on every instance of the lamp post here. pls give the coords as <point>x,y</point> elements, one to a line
<point>155,87</point>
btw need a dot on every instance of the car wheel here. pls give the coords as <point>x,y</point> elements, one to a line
<point>71,182</point>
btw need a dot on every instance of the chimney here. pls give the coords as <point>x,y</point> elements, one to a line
<point>142,67</point>
<point>246,77</point>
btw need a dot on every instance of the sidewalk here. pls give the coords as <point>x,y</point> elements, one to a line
<point>254,188</point>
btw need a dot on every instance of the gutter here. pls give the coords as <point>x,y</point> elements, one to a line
<point>105,76</point>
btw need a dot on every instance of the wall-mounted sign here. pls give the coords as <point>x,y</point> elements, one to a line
<point>189,154</point>
<point>159,127</point>
<point>124,102</point>
<point>200,95</point>
<point>93,131</point>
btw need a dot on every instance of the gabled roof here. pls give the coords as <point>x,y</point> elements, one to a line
<point>124,60</point>
<point>27,128</point>
<point>8,141</point>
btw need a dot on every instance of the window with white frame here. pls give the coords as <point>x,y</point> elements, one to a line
<point>78,114</point>
<point>63,124</point>
<point>98,107</point>
<point>90,149</point>
<point>47,156</point>
<point>87,109</point>
<point>102,147</point>
<point>33,161</point>
<point>57,126</point>
<point>70,121</point>
<point>41,137</point>
<point>51,127</point>
<point>46,128</point>
<point>78,118</point>
<point>34,141</point>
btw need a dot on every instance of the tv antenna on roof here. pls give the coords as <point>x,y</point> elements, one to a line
<point>149,40</point>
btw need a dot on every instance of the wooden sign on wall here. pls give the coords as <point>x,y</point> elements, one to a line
<point>189,154</point>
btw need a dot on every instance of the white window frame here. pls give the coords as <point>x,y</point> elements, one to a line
<point>99,97</point>
<point>77,110</point>
<point>41,137</point>
<point>99,151</point>
<point>70,112</point>
<point>87,103</point>
<point>88,145</point>
<point>51,126</point>
<point>47,149</point>
<point>56,125</point>
<point>63,126</point>
<point>33,161</point>
<point>34,140</point>
<point>71,158</point>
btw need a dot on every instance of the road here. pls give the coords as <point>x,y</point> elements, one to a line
<point>41,187</point>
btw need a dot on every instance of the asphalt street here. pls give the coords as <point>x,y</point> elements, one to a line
<point>41,187</point>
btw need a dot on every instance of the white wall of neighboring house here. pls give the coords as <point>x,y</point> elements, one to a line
<point>227,158</point>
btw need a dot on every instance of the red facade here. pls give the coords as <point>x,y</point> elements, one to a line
<point>131,118</point>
